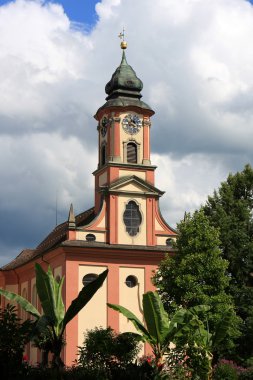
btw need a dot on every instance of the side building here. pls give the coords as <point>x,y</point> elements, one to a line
<point>124,231</point>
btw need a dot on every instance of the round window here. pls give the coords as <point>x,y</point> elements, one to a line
<point>169,243</point>
<point>88,278</point>
<point>90,237</point>
<point>131,281</point>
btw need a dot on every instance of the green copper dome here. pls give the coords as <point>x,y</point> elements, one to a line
<point>124,88</point>
<point>124,82</point>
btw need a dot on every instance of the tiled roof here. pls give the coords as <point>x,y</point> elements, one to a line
<point>54,238</point>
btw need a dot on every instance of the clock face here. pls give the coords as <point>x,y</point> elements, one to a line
<point>131,124</point>
<point>104,126</point>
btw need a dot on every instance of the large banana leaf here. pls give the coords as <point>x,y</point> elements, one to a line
<point>59,305</point>
<point>136,322</point>
<point>156,318</point>
<point>26,305</point>
<point>83,298</point>
<point>45,290</point>
<point>222,328</point>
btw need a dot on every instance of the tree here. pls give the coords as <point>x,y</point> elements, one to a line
<point>14,335</point>
<point>54,319</point>
<point>197,275</point>
<point>230,209</point>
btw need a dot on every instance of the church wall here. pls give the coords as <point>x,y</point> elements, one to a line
<point>131,298</point>
<point>33,350</point>
<point>94,313</point>
<point>138,173</point>
<point>100,236</point>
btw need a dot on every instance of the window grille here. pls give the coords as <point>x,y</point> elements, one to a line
<point>132,218</point>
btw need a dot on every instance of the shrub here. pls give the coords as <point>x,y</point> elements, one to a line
<point>104,350</point>
<point>13,337</point>
<point>228,370</point>
<point>247,374</point>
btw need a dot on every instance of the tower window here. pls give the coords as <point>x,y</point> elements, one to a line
<point>103,154</point>
<point>88,278</point>
<point>132,218</point>
<point>132,153</point>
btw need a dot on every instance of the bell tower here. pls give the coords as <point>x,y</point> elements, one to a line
<point>124,179</point>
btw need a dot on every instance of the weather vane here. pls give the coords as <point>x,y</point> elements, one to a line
<point>123,43</point>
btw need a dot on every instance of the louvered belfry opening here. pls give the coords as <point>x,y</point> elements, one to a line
<point>132,153</point>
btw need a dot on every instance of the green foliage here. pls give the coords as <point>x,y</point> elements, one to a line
<point>106,351</point>
<point>247,374</point>
<point>228,370</point>
<point>13,337</point>
<point>51,325</point>
<point>230,209</point>
<point>183,327</point>
<point>197,275</point>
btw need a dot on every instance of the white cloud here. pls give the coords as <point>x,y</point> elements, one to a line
<point>196,61</point>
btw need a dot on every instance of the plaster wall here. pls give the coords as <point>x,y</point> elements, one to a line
<point>102,179</point>
<point>137,173</point>
<point>94,314</point>
<point>131,298</point>
<point>100,236</point>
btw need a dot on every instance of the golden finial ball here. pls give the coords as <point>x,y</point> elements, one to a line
<point>123,45</point>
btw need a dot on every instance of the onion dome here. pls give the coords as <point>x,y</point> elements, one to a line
<point>124,88</point>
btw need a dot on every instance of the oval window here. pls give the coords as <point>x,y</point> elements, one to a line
<point>132,218</point>
<point>131,281</point>
<point>90,237</point>
<point>88,278</point>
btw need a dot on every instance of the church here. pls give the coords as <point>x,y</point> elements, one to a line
<point>124,231</point>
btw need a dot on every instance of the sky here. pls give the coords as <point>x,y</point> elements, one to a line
<point>195,58</point>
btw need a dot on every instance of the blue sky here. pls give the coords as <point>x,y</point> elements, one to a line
<point>82,11</point>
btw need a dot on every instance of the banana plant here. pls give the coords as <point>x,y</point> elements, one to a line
<point>160,330</point>
<point>52,322</point>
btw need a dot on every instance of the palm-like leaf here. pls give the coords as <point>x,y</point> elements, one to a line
<point>45,290</point>
<point>83,298</point>
<point>136,322</point>
<point>156,317</point>
<point>26,305</point>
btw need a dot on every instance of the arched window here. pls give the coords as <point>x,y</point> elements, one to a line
<point>23,312</point>
<point>132,218</point>
<point>34,298</point>
<point>88,278</point>
<point>103,154</point>
<point>132,153</point>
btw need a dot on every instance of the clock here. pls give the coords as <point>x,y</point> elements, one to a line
<point>104,126</point>
<point>131,124</point>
